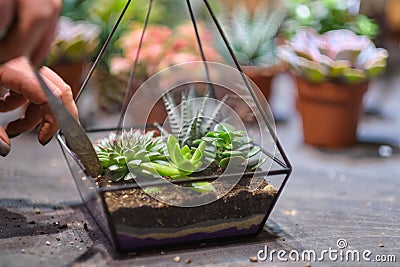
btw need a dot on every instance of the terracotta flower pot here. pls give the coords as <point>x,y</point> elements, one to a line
<point>262,77</point>
<point>330,112</point>
<point>71,73</point>
<point>111,91</point>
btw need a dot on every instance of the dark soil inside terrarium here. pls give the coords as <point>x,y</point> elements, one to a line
<point>134,207</point>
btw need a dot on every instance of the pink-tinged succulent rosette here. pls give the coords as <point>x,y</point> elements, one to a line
<point>338,55</point>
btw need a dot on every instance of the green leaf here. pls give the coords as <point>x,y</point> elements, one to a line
<point>171,143</point>
<point>186,150</point>
<point>186,166</point>
<point>129,154</point>
<point>141,154</point>
<point>232,153</point>
<point>233,162</point>
<point>337,68</point>
<point>203,187</point>
<point>120,159</point>
<point>74,49</point>
<point>159,169</point>
<point>117,176</point>
<point>129,176</point>
<point>260,162</point>
<point>134,163</point>
<point>254,150</point>
<point>355,76</point>
<point>312,71</point>
<point>199,152</point>
<point>177,154</point>
<point>117,168</point>
<point>210,139</point>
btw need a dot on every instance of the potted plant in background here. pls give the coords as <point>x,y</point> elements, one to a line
<point>252,36</point>
<point>104,13</point>
<point>332,72</point>
<point>74,46</point>
<point>327,15</point>
<point>162,47</point>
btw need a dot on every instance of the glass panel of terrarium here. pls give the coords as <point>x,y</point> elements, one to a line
<point>192,82</point>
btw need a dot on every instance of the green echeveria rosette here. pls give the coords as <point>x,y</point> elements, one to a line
<point>122,155</point>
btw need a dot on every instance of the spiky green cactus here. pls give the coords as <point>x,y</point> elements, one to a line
<point>122,155</point>
<point>186,123</point>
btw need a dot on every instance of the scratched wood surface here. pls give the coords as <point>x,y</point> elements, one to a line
<point>350,194</point>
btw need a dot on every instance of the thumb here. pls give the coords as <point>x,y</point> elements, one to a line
<point>5,145</point>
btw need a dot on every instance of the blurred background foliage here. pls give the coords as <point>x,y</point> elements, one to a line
<point>326,15</point>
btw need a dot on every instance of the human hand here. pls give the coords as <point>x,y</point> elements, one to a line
<point>17,76</point>
<point>27,27</point>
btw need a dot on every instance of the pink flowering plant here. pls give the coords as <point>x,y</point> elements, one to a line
<point>162,47</point>
<point>338,55</point>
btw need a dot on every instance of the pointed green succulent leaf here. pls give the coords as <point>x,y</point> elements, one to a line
<point>203,187</point>
<point>177,154</point>
<point>117,168</point>
<point>186,166</point>
<point>185,150</point>
<point>259,163</point>
<point>232,161</point>
<point>355,76</point>
<point>231,153</point>
<point>134,163</point>
<point>120,159</point>
<point>117,176</point>
<point>253,151</point>
<point>198,153</point>
<point>160,169</point>
<point>129,176</point>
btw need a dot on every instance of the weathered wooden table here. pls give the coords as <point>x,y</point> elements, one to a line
<point>351,194</point>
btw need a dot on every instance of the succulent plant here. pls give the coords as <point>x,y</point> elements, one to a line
<point>327,15</point>
<point>186,123</point>
<point>338,55</point>
<point>226,145</point>
<point>130,148</point>
<point>252,35</point>
<point>182,163</point>
<point>74,41</point>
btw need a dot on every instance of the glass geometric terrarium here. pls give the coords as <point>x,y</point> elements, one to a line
<point>211,167</point>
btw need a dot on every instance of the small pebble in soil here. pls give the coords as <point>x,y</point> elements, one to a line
<point>269,189</point>
<point>37,211</point>
<point>48,243</point>
<point>63,226</point>
<point>85,226</point>
<point>188,261</point>
<point>58,238</point>
<point>31,222</point>
<point>162,252</point>
<point>177,259</point>
<point>71,242</point>
<point>23,250</point>
<point>253,259</point>
<point>381,245</point>
<point>307,265</point>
